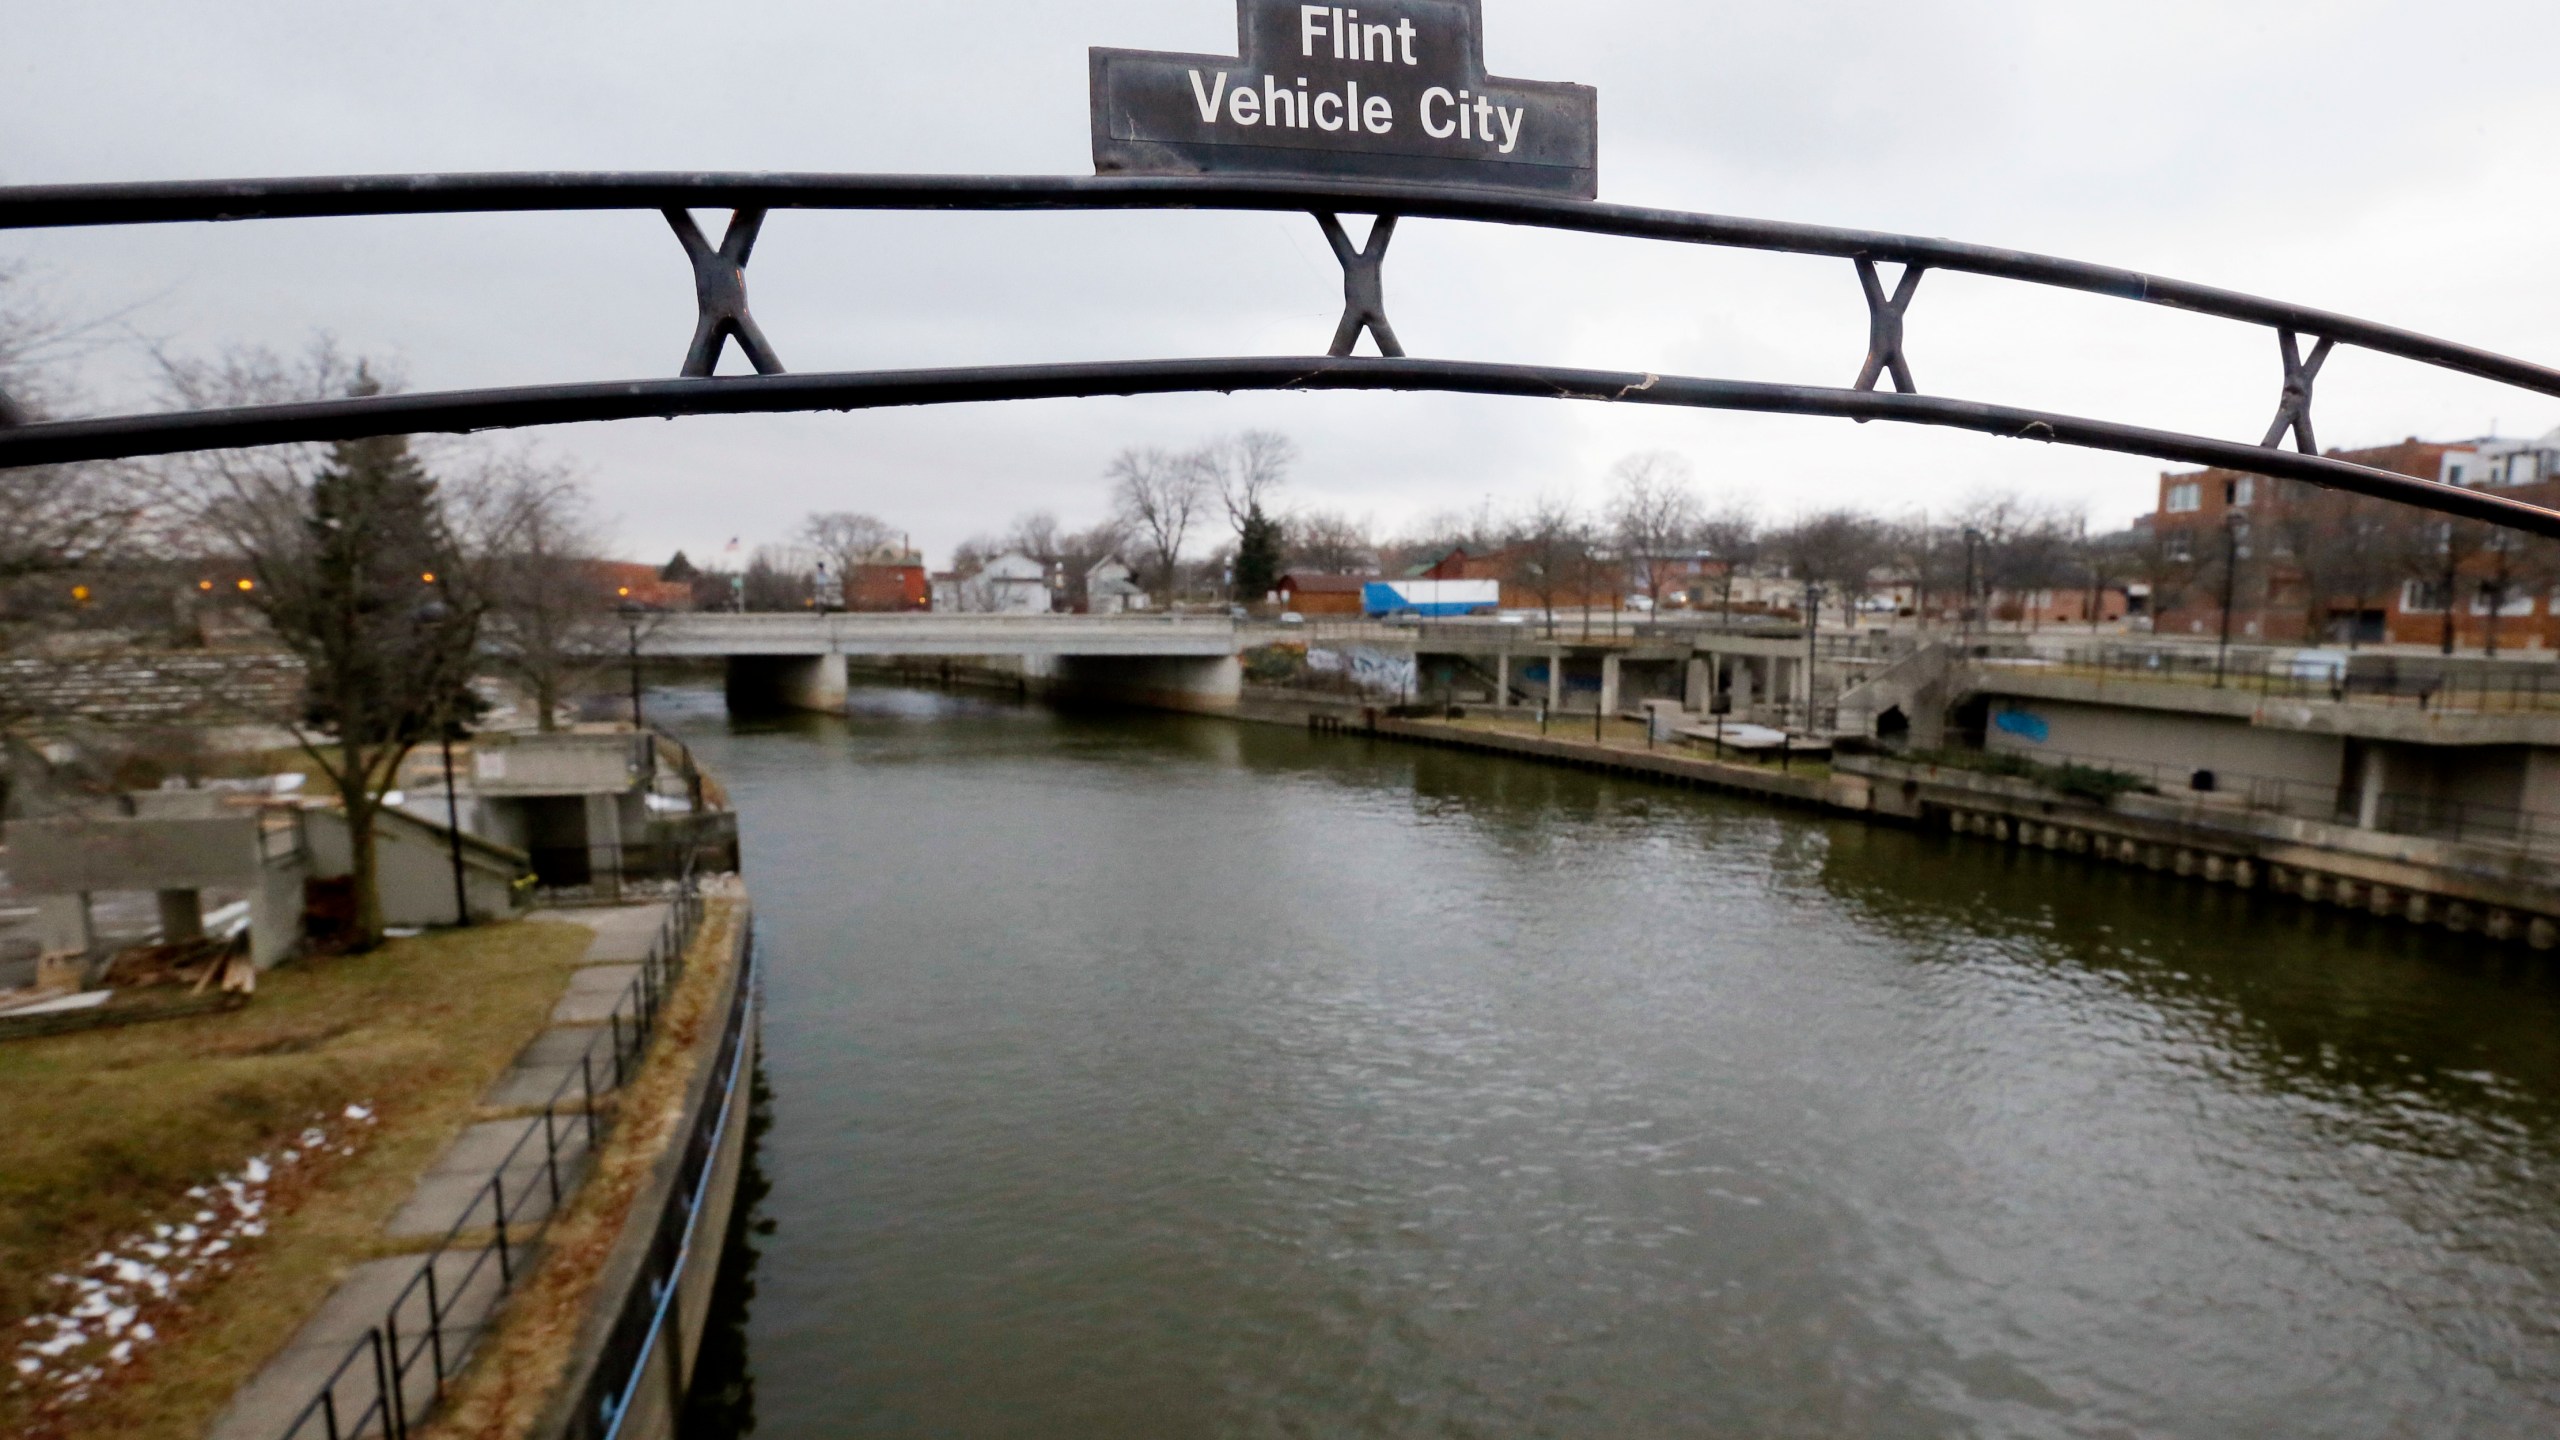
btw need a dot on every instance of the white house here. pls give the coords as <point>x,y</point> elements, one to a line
<point>2495,464</point>
<point>1111,589</point>
<point>1012,584</point>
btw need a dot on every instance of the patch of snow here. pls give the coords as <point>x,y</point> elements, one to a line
<point>109,1302</point>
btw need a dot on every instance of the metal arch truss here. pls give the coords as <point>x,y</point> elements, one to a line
<point>721,302</point>
<point>1364,285</point>
<point>720,293</point>
<point>2294,413</point>
<point>1884,326</point>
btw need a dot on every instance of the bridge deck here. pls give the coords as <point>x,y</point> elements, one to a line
<point>715,635</point>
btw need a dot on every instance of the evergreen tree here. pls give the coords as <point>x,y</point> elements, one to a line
<point>1257,556</point>
<point>367,589</point>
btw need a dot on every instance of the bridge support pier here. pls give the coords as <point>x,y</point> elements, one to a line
<point>1201,685</point>
<point>815,683</point>
<point>765,683</point>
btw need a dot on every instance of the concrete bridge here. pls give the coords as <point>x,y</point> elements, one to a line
<point>1180,661</point>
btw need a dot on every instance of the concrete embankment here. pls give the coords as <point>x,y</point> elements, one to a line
<point>2500,894</point>
<point>1810,787</point>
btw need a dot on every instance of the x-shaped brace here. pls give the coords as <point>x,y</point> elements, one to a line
<point>720,290</point>
<point>1884,326</point>
<point>2295,413</point>
<point>1364,293</point>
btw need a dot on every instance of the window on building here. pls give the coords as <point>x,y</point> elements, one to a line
<point>2422,597</point>
<point>2186,499</point>
<point>2244,491</point>
<point>2453,475</point>
<point>2513,607</point>
<point>2181,548</point>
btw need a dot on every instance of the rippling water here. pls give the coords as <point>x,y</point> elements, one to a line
<point>1160,1077</point>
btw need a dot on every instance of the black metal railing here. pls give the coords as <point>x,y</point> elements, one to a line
<point>720,294</point>
<point>2405,682</point>
<point>398,1370</point>
<point>644,1323</point>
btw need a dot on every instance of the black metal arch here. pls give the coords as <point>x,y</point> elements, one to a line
<point>720,288</point>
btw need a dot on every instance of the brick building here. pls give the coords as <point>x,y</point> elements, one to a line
<point>641,585</point>
<point>2386,574</point>
<point>1601,585</point>
<point>890,585</point>
<point>1308,594</point>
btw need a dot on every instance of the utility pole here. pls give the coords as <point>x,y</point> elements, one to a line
<point>2232,527</point>
<point>2452,580</point>
<point>453,831</point>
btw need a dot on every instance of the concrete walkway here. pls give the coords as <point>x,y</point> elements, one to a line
<point>500,1153</point>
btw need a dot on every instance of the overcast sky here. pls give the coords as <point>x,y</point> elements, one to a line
<point>2387,158</point>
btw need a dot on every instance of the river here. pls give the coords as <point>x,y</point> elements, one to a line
<point>1157,1076</point>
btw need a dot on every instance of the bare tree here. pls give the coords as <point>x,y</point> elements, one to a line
<point>1550,547</point>
<point>973,554</point>
<point>1073,554</point>
<point>1248,470</point>
<point>1654,515</point>
<point>1839,551</point>
<point>2105,561</point>
<point>551,622</point>
<point>2512,566</point>
<point>2165,560</point>
<point>1038,536</point>
<point>2436,551</point>
<point>1933,560</point>
<point>2021,548</point>
<point>1731,538</point>
<point>54,518</point>
<point>849,539</point>
<point>2359,544</point>
<point>2338,546</point>
<point>1159,495</point>
<point>773,582</point>
<point>1331,543</point>
<point>1479,532</point>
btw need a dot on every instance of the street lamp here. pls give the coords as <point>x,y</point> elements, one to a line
<point>433,613</point>
<point>631,627</point>
<point>1813,597</point>
<point>1964,612</point>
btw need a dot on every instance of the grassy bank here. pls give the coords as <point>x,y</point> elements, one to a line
<point>108,1131</point>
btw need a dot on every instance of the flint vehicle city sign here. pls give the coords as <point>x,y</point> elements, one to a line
<point>1379,108</point>
<point>1380,90</point>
